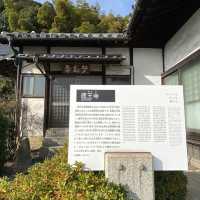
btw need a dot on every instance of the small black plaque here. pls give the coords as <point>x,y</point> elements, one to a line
<point>95,96</point>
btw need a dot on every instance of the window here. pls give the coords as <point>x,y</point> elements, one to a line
<point>60,96</point>
<point>190,79</point>
<point>33,86</point>
<point>172,79</point>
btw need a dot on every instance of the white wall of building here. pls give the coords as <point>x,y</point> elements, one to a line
<point>148,65</point>
<point>30,68</point>
<point>32,116</point>
<point>184,42</point>
<point>148,68</point>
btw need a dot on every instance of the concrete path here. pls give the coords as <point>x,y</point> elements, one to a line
<point>193,186</point>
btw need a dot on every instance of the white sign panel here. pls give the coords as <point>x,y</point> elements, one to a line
<point>127,119</point>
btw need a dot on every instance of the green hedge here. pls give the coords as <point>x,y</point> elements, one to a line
<point>55,180</point>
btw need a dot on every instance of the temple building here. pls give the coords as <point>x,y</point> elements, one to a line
<point>161,46</point>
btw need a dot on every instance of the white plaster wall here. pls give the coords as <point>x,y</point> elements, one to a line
<point>184,42</point>
<point>30,68</point>
<point>148,65</point>
<point>117,70</point>
<point>32,116</point>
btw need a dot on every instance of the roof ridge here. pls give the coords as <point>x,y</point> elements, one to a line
<point>62,35</point>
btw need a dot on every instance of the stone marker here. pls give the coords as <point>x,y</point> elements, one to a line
<point>23,156</point>
<point>132,170</point>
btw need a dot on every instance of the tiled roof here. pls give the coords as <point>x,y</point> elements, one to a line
<point>71,36</point>
<point>112,58</point>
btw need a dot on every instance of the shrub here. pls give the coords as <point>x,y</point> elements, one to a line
<point>170,185</point>
<point>56,180</point>
<point>8,111</point>
<point>4,128</point>
<point>7,88</point>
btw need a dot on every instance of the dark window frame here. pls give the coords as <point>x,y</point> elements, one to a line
<point>72,75</point>
<point>24,75</point>
<point>54,75</point>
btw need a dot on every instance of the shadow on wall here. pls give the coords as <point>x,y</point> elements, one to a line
<point>32,122</point>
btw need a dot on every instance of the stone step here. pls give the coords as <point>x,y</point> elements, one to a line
<point>36,156</point>
<point>48,152</point>
<point>54,149</point>
<point>54,141</point>
<point>57,132</point>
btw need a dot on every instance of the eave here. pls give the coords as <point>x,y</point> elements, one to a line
<point>66,39</point>
<point>73,58</point>
<point>154,22</point>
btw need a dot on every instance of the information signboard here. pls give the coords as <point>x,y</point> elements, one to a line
<point>127,119</point>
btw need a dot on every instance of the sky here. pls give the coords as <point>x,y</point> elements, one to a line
<point>122,7</point>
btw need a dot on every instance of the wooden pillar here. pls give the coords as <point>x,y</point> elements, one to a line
<point>18,94</point>
<point>47,92</point>
<point>103,67</point>
<point>132,73</point>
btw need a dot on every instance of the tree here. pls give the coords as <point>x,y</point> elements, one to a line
<point>7,89</point>
<point>27,20</point>
<point>110,23</point>
<point>86,27</point>
<point>7,113</point>
<point>1,6</point>
<point>45,16</point>
<point>87,13</point>
<point>65,18</point>
<point>13,20</point>
<point>22,15</point>
<point>58,16</point>
<point>2,16</point>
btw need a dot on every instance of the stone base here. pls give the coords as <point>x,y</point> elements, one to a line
<point>132,170</point>
<point>194,164</point>
<point>193,157</point>
<point>36,142</point>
